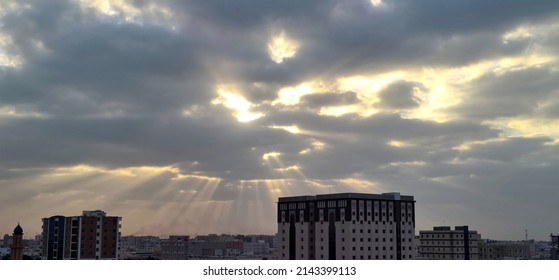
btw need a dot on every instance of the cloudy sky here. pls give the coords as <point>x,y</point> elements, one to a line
<point>193,117</point>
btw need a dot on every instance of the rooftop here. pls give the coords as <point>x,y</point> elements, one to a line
<point>383,196</point>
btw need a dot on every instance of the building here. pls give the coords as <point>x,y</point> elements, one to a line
<point>33,247</point>
<point>93,235</point>
<point>140,247</point>
<point>7,241</point>
<point>443,243</point>
<point>256,248</point>
<point>175,248</point>
<point>16,250</point>
<point>506,250</point>
<point>554,250</point>
<point>346,226</point>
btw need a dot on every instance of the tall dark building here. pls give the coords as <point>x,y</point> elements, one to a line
<point>94,235</point>
<point>346,226</point>
<point>554,247</point>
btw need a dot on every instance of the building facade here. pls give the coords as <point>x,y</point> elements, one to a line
<point>175,247</point>
<point>443,243</point>
<point>506,250</point>
<point>93,235</point>
<point>554,250</point>
<point>346,226</point>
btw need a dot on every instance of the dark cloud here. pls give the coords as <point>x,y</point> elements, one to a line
<point>400,95</point>
<point>511,92</point>
<point>329,99</point>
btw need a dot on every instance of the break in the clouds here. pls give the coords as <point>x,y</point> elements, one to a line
<point>190,116</point>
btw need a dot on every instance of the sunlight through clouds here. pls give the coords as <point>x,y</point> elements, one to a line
<point>238,104</point>
<point>281,47</point>
<point>291,128</point>
<point>377,2</point>
<point>292,95</point>
<point>127,11</point>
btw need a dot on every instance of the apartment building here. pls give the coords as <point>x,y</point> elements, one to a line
<point>506,250</point>
<point>175,247</point>
<point>93,235</point>
<point>443,243</point>
<point>346,226</point>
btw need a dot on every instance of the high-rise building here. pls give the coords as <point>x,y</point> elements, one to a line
<point>443,243</point>
<point>346,226</point>
<point>93,235</point>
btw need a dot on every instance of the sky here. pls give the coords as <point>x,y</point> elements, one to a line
<point>193,117</point>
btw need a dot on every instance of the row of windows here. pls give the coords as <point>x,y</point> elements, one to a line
<point>438,249</point>
<point>444,242</point>
<point>362,257</point>
<point>424,235</point>
<point>353,222</point>
<point>340,203</point>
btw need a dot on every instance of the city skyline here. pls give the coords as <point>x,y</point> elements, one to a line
<point>193,117</point>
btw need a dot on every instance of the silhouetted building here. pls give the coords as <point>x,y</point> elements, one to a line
<point>346,226</point>
<point>16,250</point>
<point>94,235</point>
<point>554,247</point>
<point>443,243</point>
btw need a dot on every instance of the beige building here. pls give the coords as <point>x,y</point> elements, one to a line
<point>443,243</point>
<point>506,250</point>
<point>346,226</point>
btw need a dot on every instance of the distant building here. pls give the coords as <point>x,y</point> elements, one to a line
<point>443,243</point>
<point>4,252</point>
<point>140,247</point>
<point>175,247</point>
<point>346,226</point>
<point>93,235</point>
<point>33,247</point>
<point>554,251</point>
<point>506,250</point>
<point>256,248</point>
<point>16,250</point>
<point>7,241</point>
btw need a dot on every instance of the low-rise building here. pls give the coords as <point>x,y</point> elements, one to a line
<point>506,250</point>
<point>256,248</point>
<point>175,247</point>
<point>443,243</point>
